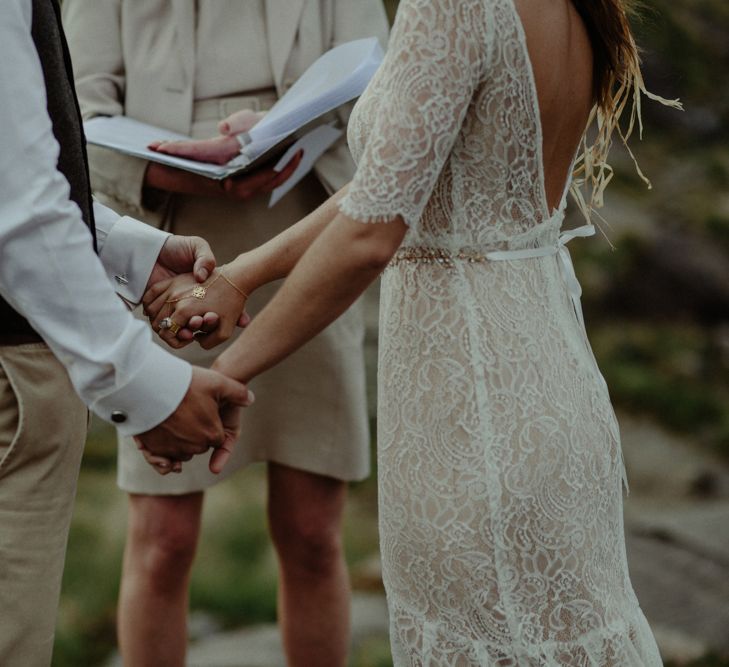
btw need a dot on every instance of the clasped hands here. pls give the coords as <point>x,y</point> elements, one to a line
<point>181,309</point>
<point>187,299</point>
<point>209,414</point>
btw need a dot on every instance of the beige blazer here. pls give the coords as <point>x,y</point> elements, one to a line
<point>137,57</point>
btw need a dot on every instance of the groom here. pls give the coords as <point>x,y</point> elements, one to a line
<point>64,334</point>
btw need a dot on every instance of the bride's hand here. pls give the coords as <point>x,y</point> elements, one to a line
<point>161,464</point>
<point>179,306</point>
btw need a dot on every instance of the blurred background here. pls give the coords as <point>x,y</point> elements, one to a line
<point>656,299</point>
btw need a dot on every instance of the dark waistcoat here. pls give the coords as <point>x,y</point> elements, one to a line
<point>65,115</point>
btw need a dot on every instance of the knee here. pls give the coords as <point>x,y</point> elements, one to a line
<point>162,543</point>
<point>168,551</point>
<point>307,543</point>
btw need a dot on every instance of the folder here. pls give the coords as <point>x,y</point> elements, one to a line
<point>337,77</point>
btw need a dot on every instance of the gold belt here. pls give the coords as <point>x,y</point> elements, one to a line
<point>428,255</point>
<point>449,258</point>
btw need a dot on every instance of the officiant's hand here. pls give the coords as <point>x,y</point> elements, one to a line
<point>260,182</point>
<point>160,177</point>
<point>218,150</point>
<point>212,309</point>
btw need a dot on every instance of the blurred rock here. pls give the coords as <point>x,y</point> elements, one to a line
<point>677,647</point>
<point>677,527</point>
<point>255,646</point>
<point>260,646</point>
<point>681,590</point>
<point>674,276</point>
<point>202,624</point>
<point>664,466</point>
<point>701,122</point>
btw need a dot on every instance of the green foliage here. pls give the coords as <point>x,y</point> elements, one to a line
<point>100,450</point>
<point>373,652</point>
<point>235,573</point>
<point>685,41</point>
<point>717,227</point>
<point>671,373</point>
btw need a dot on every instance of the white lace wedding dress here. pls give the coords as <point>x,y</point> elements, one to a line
<point>499,457</point>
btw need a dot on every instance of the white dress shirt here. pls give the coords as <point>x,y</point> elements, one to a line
<point>48,269</point>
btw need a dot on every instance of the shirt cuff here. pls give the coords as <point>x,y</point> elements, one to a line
<point>129,254</point>
<point>152,394</point>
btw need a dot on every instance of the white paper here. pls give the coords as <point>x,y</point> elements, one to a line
<point>314,144</point>
<point>252,150</point>
<point>338,76</point>
<point>131,137</point>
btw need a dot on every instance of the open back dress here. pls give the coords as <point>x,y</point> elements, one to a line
<point>499,457</point>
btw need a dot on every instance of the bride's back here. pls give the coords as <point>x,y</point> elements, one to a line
<point>562,62</point>
<point>455,119</point>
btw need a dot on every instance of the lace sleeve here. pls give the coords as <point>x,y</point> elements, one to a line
<point>415,108</point>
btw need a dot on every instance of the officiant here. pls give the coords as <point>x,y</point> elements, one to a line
<point>185,66</point>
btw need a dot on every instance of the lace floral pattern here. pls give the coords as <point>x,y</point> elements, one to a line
<point>499,455</point>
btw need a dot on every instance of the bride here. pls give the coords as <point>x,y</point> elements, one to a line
<point>499,457</point>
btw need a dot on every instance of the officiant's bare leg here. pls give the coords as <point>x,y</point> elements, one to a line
<point>305,514</point>
<point>162,536</point>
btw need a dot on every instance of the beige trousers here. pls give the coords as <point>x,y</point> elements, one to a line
<point>42,432</point>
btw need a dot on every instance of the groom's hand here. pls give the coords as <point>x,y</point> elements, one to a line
<point>183,254</point>
<point>208,416</point>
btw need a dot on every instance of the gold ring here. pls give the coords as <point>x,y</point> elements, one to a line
<point>174,327</point>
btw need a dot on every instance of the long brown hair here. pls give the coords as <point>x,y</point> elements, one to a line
<point>617,85</point>
<point>613,46</point>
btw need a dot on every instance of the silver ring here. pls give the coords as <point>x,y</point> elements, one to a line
<point>165,323</point>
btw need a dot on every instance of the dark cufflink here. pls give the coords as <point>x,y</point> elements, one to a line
<point>122,279</point>
<point>118,417</point>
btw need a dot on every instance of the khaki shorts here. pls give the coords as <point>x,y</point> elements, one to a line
<point>310,411</point>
